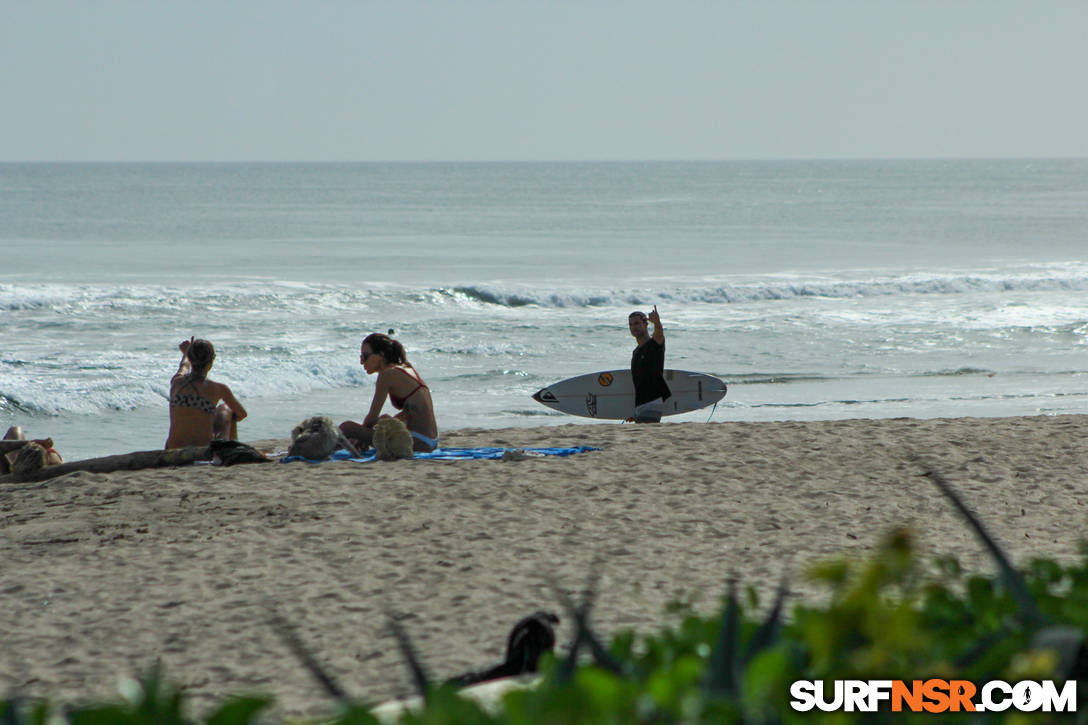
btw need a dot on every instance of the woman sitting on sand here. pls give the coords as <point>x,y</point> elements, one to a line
<point>196,413</point>
<point>404,387</point>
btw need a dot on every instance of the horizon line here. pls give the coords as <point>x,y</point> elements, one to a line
<point>752,159</point>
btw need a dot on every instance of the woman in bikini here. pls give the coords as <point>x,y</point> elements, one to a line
<point>404,387</point>
<point>200,409</point>
<point>10,453</point>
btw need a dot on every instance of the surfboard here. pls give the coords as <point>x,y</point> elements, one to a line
<point>488,695</point>
<point>610,395</point>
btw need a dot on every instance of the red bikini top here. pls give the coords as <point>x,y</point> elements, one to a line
<point>398,403</point>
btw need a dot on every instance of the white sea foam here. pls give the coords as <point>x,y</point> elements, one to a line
<point>815,289</point>
<point>1066,277</point>
<point>290,339</point>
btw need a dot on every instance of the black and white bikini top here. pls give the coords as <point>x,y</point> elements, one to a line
<point>178,399</point>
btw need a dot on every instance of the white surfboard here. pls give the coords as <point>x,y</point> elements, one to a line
<point>610,395</point>
<point>488,695</point>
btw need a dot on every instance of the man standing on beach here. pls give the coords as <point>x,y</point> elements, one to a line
<point>648,367</point>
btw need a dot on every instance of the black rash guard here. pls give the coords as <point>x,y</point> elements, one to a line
<point>647,370</point>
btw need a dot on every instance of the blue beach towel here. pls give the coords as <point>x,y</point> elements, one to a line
<point>453,454</point>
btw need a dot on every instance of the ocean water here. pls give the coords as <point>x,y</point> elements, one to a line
<point>817,290</point>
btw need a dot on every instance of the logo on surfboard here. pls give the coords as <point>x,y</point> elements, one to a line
<point>604,379</point>
<point>591,405</point>
<point>545,396</point>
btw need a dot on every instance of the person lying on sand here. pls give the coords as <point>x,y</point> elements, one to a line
<point>43,452</point>
<point>200,409</point>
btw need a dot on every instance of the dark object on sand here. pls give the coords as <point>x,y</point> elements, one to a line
<point>228,453</point>
<point>317,438</point>
<point>530,638</point>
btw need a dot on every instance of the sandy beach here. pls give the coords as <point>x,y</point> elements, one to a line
<point>101,574</point>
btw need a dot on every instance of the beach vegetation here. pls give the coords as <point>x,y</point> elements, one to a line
<point>887,617</point>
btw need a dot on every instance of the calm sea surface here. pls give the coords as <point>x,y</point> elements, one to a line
<point>815,289</point>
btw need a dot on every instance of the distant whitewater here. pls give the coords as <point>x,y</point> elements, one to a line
<point>816,290</point>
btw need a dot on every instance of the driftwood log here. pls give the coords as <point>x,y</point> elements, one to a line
<point>122,462</point>
<point>9,446</point>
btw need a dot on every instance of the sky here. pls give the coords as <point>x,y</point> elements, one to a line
<point>476,80</point>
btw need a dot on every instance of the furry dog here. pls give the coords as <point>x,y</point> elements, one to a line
<point>392,439</point>
<point>317,438</point>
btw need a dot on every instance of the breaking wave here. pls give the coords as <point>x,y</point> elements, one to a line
<point>1064,278</point>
